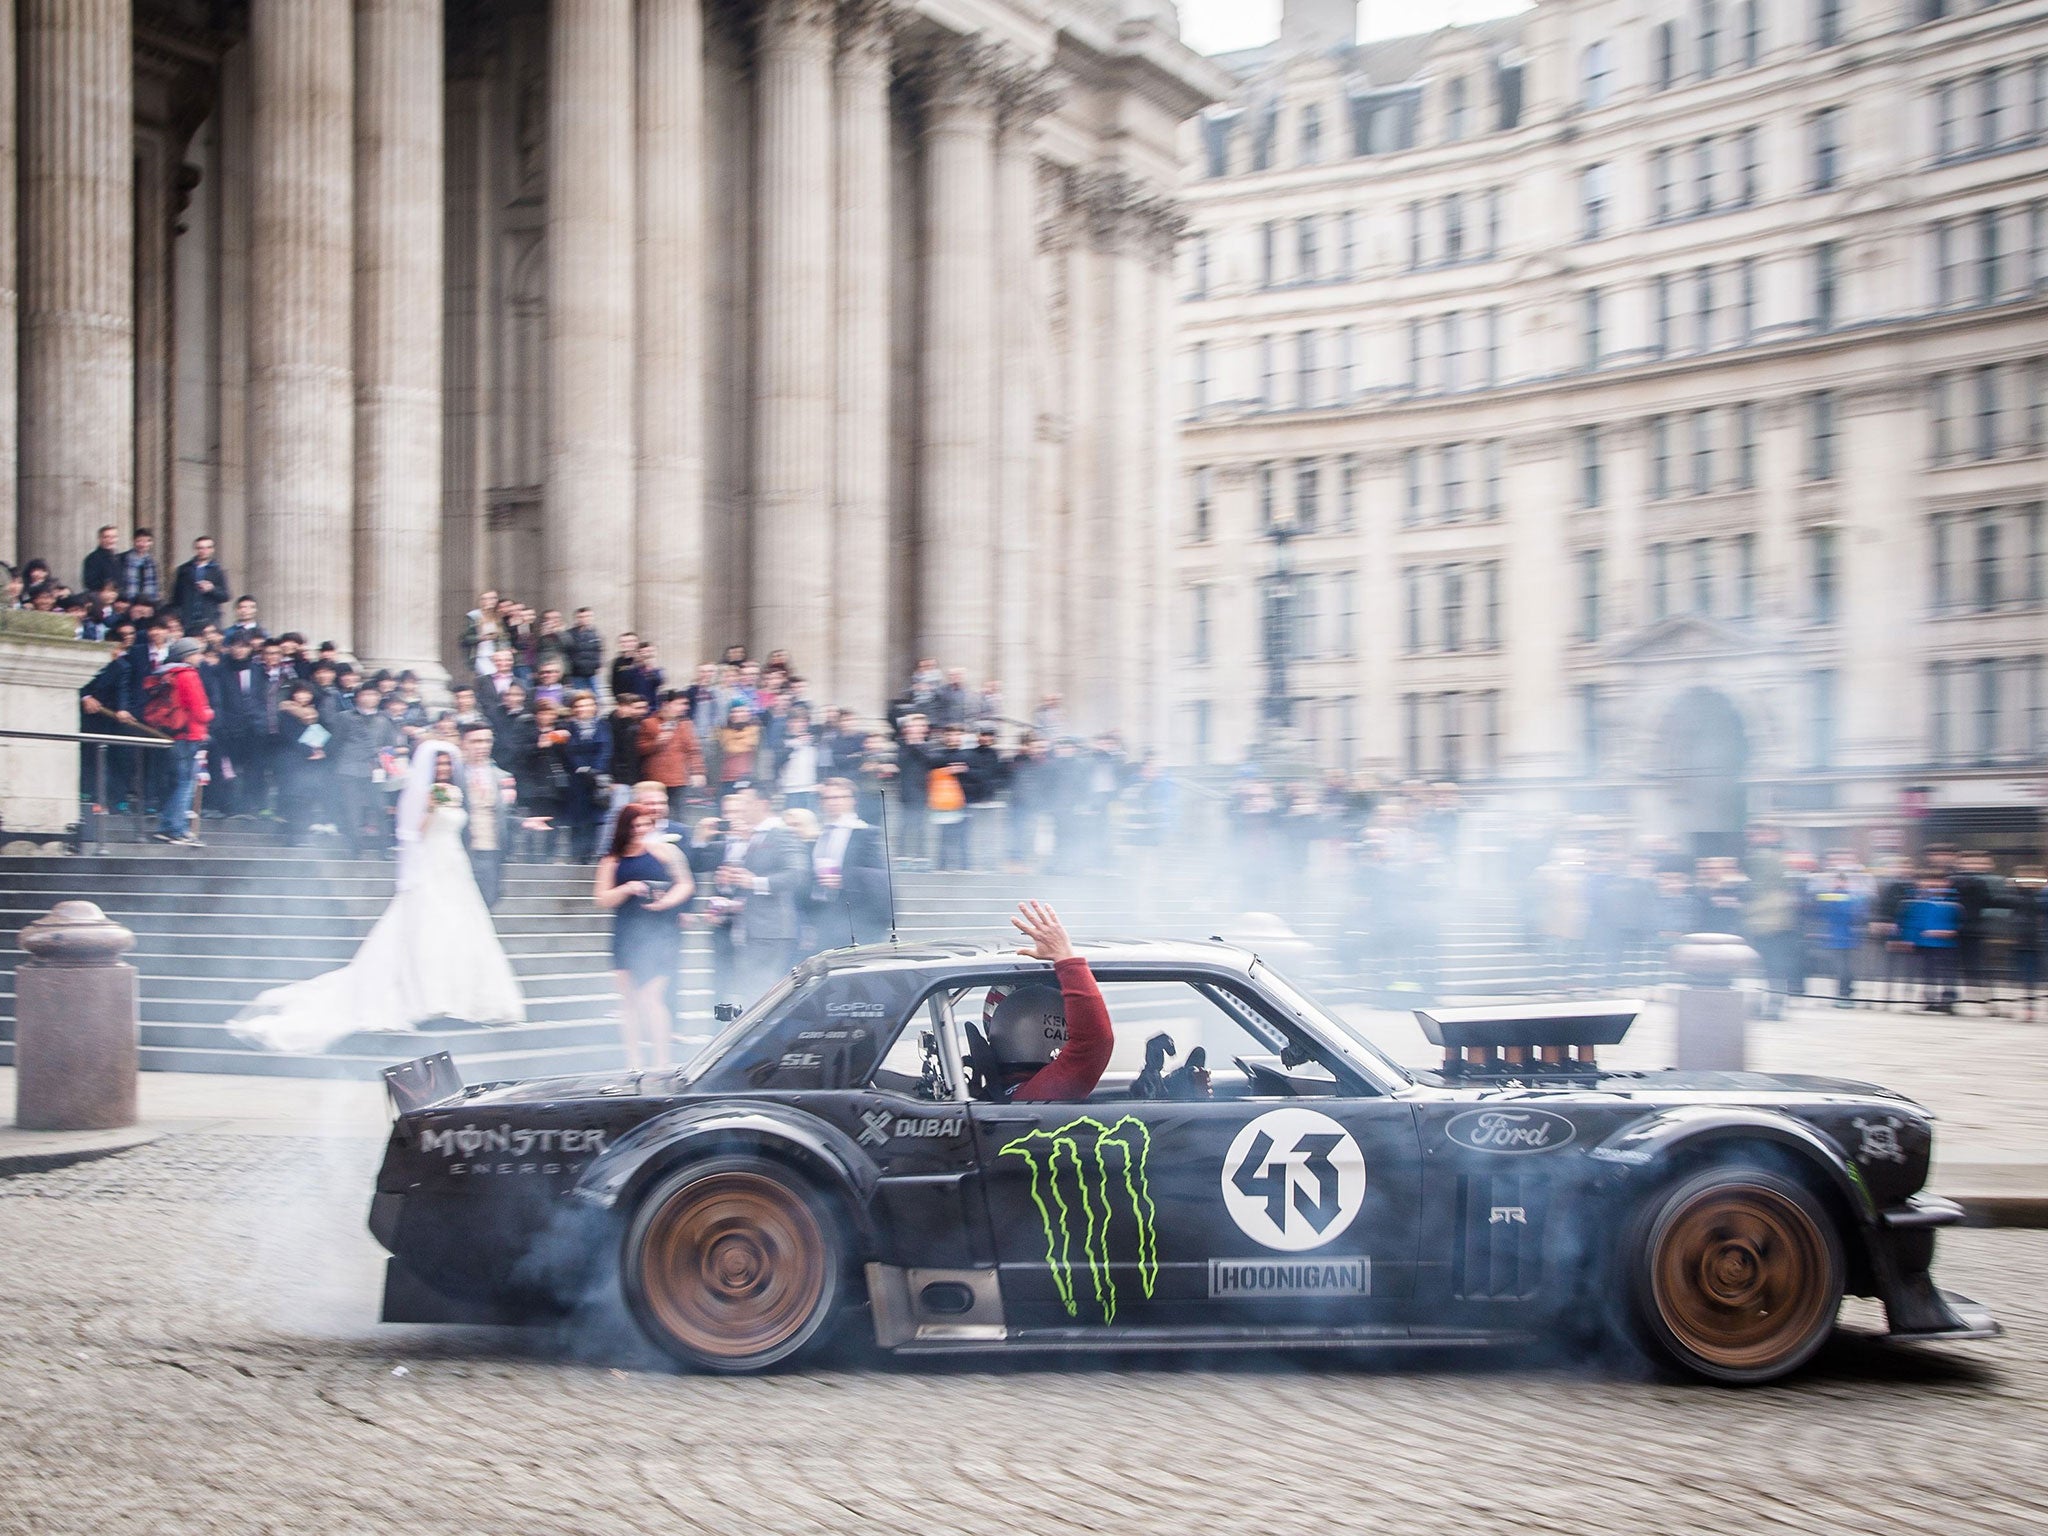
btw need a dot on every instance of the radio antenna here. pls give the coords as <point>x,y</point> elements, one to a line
<point>889,863</point>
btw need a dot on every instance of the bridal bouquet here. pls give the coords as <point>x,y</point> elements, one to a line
<point>444,795</point>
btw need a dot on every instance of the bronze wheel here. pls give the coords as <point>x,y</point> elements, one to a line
<point>732,1264</point>
<point>1739,1274</point>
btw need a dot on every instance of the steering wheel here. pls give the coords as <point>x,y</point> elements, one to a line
<point>1265,1082</point>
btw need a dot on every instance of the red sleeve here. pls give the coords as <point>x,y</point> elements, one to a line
<point>1081,1062</point>
<point>197,705</point>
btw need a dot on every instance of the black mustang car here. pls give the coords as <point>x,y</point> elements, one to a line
<point>841,1142</point>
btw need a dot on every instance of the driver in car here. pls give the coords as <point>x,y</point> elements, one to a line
<point>1051,1043</point>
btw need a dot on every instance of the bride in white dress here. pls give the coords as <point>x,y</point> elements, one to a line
<point>433,954</point>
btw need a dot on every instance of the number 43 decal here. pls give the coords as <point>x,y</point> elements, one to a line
<point>1293,1180</point>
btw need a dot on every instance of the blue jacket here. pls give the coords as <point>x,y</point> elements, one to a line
<point>1929,922</point>
<point>1842,915</point>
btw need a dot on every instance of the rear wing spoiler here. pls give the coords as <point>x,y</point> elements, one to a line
<point>1528,1034</point>
<point>423,1084</point>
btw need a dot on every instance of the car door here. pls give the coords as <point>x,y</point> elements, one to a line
<point>1254,1209</point>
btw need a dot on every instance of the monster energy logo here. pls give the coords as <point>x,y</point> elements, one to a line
<point>1073,1181</point>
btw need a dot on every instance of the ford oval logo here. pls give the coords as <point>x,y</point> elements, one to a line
<point>1512,1131</point>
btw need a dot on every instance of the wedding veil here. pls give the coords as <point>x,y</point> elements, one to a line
<point>412,804</point>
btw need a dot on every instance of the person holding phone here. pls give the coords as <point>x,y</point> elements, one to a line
<point>644,883</point>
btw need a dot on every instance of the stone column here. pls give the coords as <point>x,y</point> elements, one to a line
<point>1025,99</point>
<point>77,320</point>
<point>793,360</point>
<point>669,493</point>
<point>10,396</point>
<point>301,393</point>
<point>587,502</point>
<point>399,299</point>
<point>959,362</point>
<point>465,353</point>
<point>858,676</point>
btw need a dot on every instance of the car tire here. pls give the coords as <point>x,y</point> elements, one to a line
<point>733,1264</point>
<point>1733,1273</point>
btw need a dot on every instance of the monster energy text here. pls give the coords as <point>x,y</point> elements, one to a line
<point>1087,1180</point>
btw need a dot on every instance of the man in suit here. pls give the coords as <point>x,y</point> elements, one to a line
<point>199,588</point>
<point>244,709</point>
<point>849,894</point>
<point>487,793</point>
<point>761,869</point>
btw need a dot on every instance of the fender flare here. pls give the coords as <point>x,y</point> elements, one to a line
<point>818,1149</point>
<point>1648,1145</point>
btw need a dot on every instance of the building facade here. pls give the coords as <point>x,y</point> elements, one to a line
<point>1635,404</point>
<point>833,325</point>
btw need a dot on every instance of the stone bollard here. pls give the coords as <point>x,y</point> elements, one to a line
<point>1713,1018</point>
<point>75,1023</point>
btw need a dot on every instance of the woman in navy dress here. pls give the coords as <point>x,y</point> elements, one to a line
<point>643,884</point>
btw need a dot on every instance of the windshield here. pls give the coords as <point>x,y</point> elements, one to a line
<point>768,1002</point>
<point>1354,1045</point>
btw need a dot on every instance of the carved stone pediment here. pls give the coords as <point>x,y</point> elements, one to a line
<point>1684,637</point>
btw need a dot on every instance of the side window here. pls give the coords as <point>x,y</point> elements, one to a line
<point>914,1065</point>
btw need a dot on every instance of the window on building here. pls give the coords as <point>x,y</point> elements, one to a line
<point>1411,736</point>
<point>1305,618</point>
<point>1347,244</point>
<point>1269,254</point>
<point>1451,759</point>
<point>1710,38</point>
<point>1198,377</point>
<point>1269,372</point>
<point>1308,379</point>
<point>1265,134</point>
<point>1660,315</point>
<point>1269,491</point>
<point>2033,698</point>
<point>1988,432</point>
<point>1591,747</point>
<point>1948,120</point>
<point>2034,432</point>
<point>1985,580</point>
<point>1948,277</point>
<point>1822,558</point>
<point>1385,121</point>
<point>1990,109</point>
<point>1489,580</point>
<point>1989,285</point>
<point>1663,185</point>
<point>1596,75</point>
<point>1745,447</point>
<point>1985,737</point>
<point>1827,260</point>
<point>1703,176</point>
<point>1702,452</point>
<point>1820,718</point>
<point>1491,323</point>
<point>1941,561</point>
<point>1457,108</point>
<point>1489,733</point>
<point>2034,588</point>
<point>1748,168</point>
<point>1941,414</point>
<point>1217,128</point>
<point>1308,493</point>
<point>1453,478</point>
<point>1453,352</point>
<point>1453,634</point>
<point>1745,300</point>
<point>1344,613</point>
<point>1347,363</point>
<point>1824,138</point>
<point>1414,237</point>
<point>1752,33</point>
<point>1745,576</point>
<point>1454,228</point>
<point>1591,320</point>
<point>1940,724</point>
<point>1491,473</point>
<point>1415,354</point>
<point>1827,23</point>
<point>1592,477</point>
<point>1411,610</point>
<point>1664,55</point>
<point>1703,576</point>
<point>1204,500</point>
<point>1493,217</point>
<point>1349,475</point>
<point>1660,582</point>
<point>1589,561</point>
<point>1411,495</point>
<point>1311,134</point>
<point>1703,309</point>
<point>1308,255</point>
<point>1820,435</point>
<point>1660,457</point>
<point>1199,744</point>
<point>1198,636</point>
<point>2037,246</point>
<point>1507,96</point>
<point>2037,98</point>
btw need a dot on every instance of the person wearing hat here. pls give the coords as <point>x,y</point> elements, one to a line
<point>1051,1044</point>
<point>175,705</point>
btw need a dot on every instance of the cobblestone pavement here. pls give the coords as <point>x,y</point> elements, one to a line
<point>190,1347</point>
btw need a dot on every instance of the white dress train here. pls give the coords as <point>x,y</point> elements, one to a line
<point>433,954</point>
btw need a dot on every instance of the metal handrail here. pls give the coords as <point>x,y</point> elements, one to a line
<point>97,817</point>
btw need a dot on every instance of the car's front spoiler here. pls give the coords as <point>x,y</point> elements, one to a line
<point>1966,1319</point>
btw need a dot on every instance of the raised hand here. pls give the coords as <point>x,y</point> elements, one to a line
<point>1040,924</point>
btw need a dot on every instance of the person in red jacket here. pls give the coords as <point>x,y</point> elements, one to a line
<point>175,703</point>
<point>1051,1044</point>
